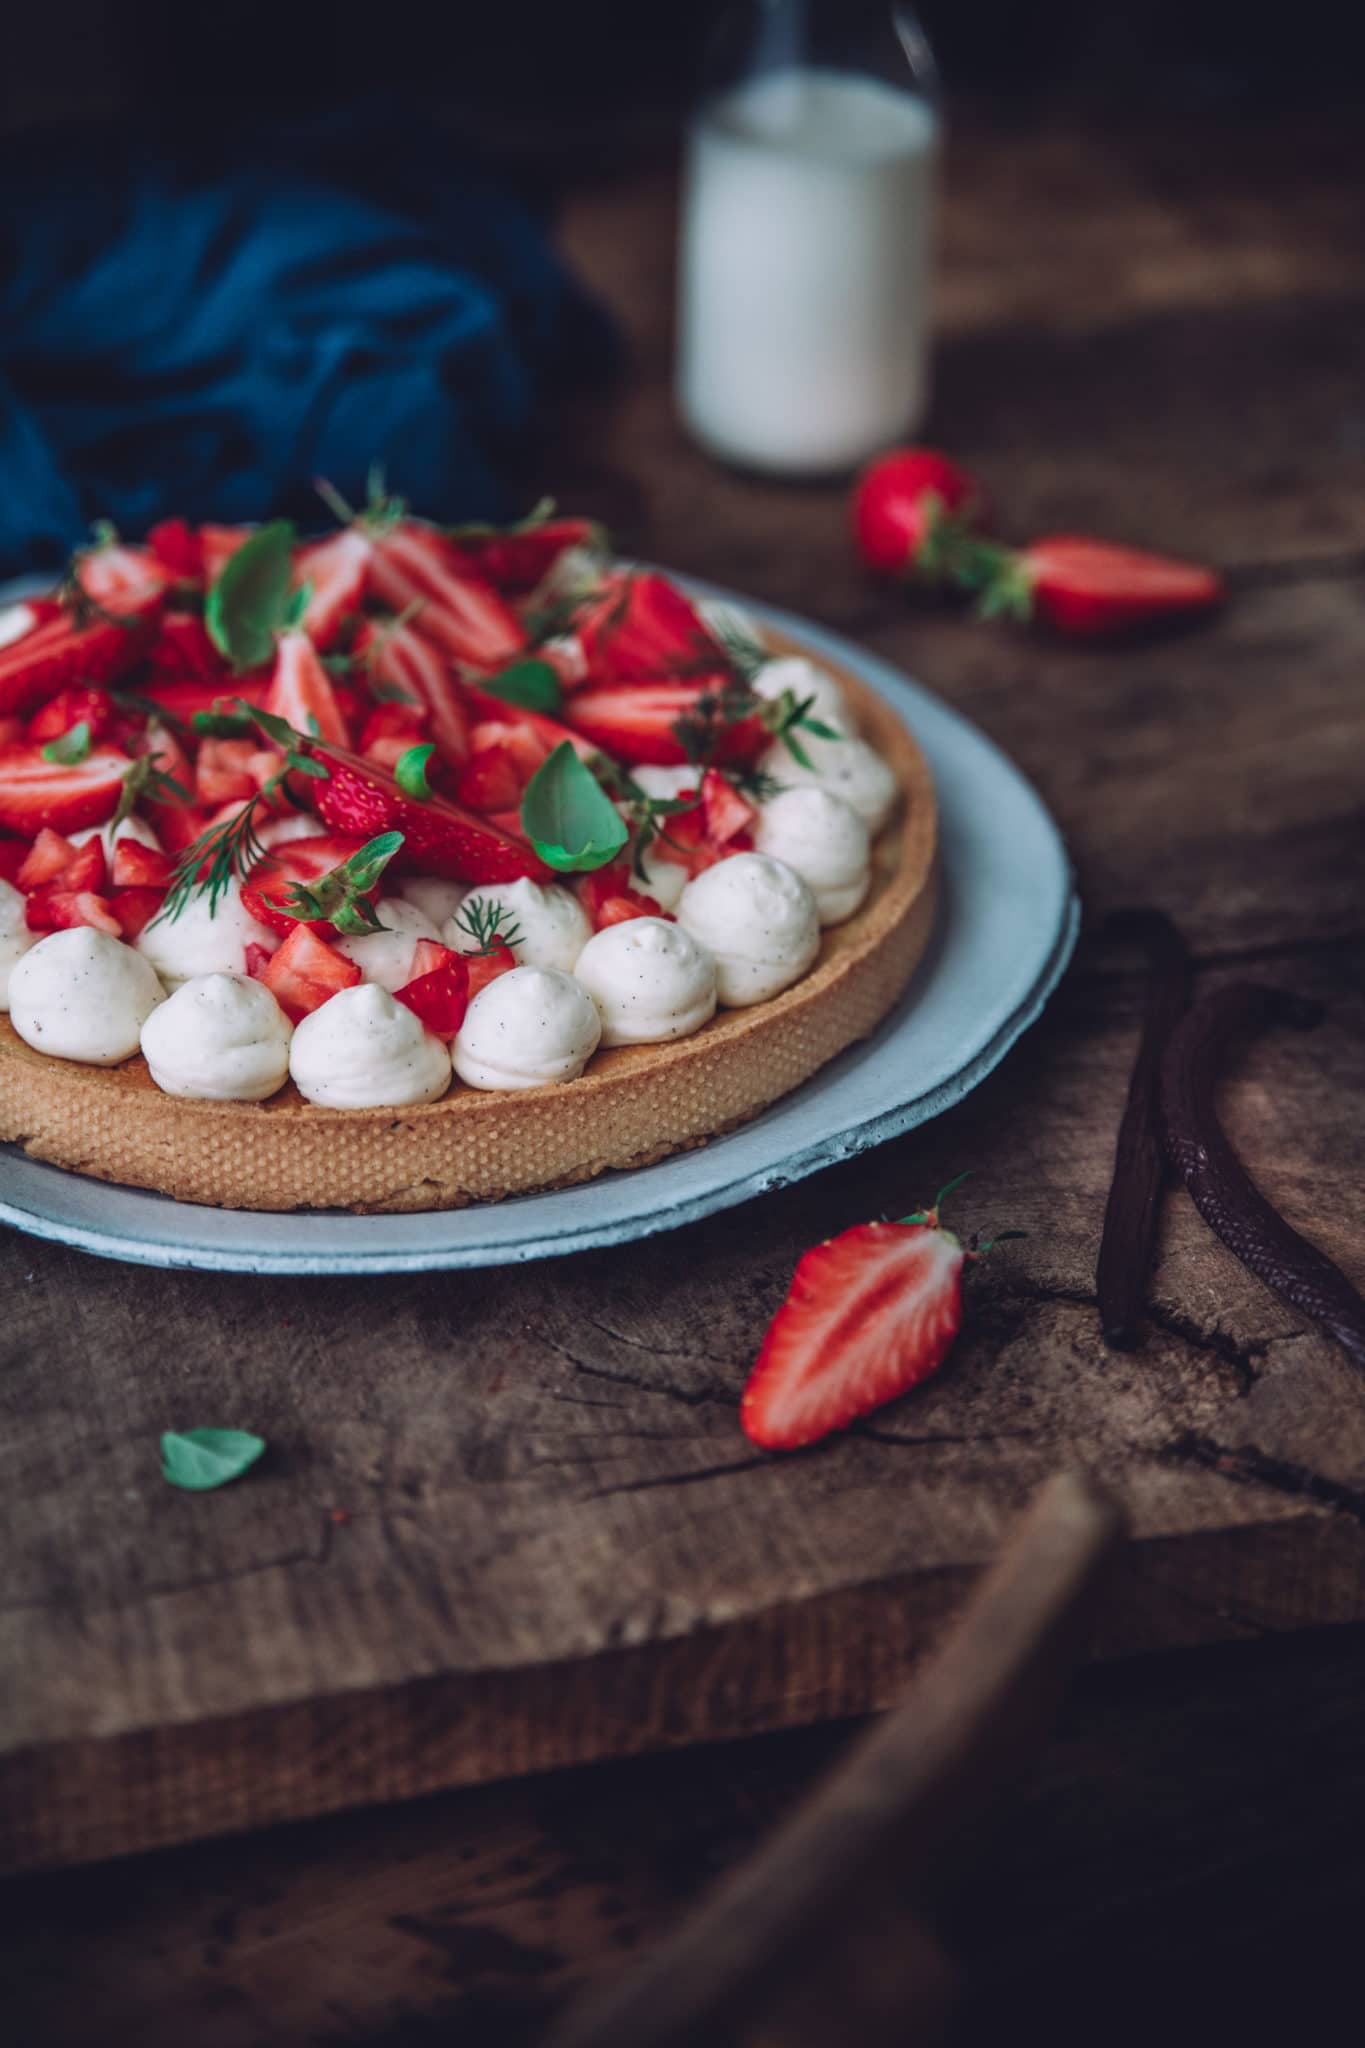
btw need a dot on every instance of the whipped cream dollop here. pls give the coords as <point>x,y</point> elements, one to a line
<point>15,621</point>
<point>846,767</point>
<point>529,1027</point>
<point>433,895</point>
<point>81,995</point>
<point>551,924</point>
<point>221,1037</point>
<point>364,1050</point>
<point>136,829</point>
<point>204,939</point>
<point>294,825</point>
<point>386,957</point>
<point>807,681</point>
<point>663,879</point>
<point>650,980</point>
<point>824,840</point>
<point>15,936</point>
<point>758,921</point>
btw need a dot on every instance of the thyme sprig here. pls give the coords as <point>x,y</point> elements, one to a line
<point>487,925</point>
<point>228,850</point>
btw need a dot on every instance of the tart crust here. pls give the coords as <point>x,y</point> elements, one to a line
<point>633,1106</point>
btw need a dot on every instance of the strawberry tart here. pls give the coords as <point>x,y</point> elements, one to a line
<point>413,866</point>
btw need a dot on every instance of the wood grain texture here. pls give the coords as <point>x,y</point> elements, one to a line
<point>558,1544</point>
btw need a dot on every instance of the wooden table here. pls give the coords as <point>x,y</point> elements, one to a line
<point>1154,335</point>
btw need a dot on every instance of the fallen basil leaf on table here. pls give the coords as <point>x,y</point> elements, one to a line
<point>201,1459</point>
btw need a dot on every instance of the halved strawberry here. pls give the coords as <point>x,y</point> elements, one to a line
<point>438,992</point>
<point>135,908</point>
<point>869,1314</point>
<point>609,896</point>
<point>335,571</point>
<point>638,627</point>
<point>71,707</point>
<point>136,866</point>
<point>11,729</point>
<point>45,859</point>
<point>122,580</point>
<point>301,691</point>
<point>635,722</point>
<point>306,972</point>
<point>400,658</point>
<point>223,771</point>
<point>297,860</point>
<point>58,652</point>
<point>35,792</point>
<point>440,837</point>
<point>514,559</point>
<point>460,611</point>
<point>185,698</point>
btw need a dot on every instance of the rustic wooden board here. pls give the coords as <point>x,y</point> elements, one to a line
<point>557,1545</point>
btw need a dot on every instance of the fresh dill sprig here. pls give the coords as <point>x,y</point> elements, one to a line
<point>643,812</point>
<point>788,715</point>
<point>488,924</point>
<point>228,850</point>
<point>702,731</point>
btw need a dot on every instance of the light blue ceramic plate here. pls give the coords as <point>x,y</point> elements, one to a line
<point>1006,928</point>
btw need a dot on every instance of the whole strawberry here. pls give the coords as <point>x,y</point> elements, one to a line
<point>869,1314</point>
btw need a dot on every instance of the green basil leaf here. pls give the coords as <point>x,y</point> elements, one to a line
<point>531,684</point>
<point>277,729</point>
<point>222,725</point>
<point>410,773</point>
<point>249,602</point>
<point>204,1458</point>
<point>72,747</point>
<point>568,817</point>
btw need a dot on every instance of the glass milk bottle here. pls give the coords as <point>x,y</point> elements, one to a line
<point>806,237</point>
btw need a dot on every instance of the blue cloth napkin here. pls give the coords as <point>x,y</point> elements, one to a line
<point>192,334</point>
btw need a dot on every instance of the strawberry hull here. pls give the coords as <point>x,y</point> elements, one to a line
<point>439,838</point>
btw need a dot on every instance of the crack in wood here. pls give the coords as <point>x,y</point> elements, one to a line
<point>1241,1359</point>
<point>1250,1466</point>
<point>691,1397</point>
<point>660,1480</point>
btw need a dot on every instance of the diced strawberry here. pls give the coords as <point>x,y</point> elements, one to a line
<point>610,897</point>
<point>182,648</point>
<point>35,792</point>
<point>71,707</point>
<point>297,860</point>
<point>218,545</point>
<point>869,1314</point>
<point>394,721</point>
<point>636,722</point>
<point>306,972</point>
<point>486,967</point>
<point>301,691</point>
<point>178,549</point>
<point>460,611</point>
<point>504,759</point>
<point>725,811</point>
<point>515,559</point>
<point>640,628</point>
<point>55,909</point>
<point>440,837</point>
<point>86,869</point>
<point>223,772</point>
<point>178,825</point>
<point>136,866</point>
<point>486,709</point>
<point>135,909</point>
<point>335,571</point>
<point>11,729</point>
<point>258,958</point>
<point>438,992</point>
<point>45,859</point>
<point>13,854</point>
